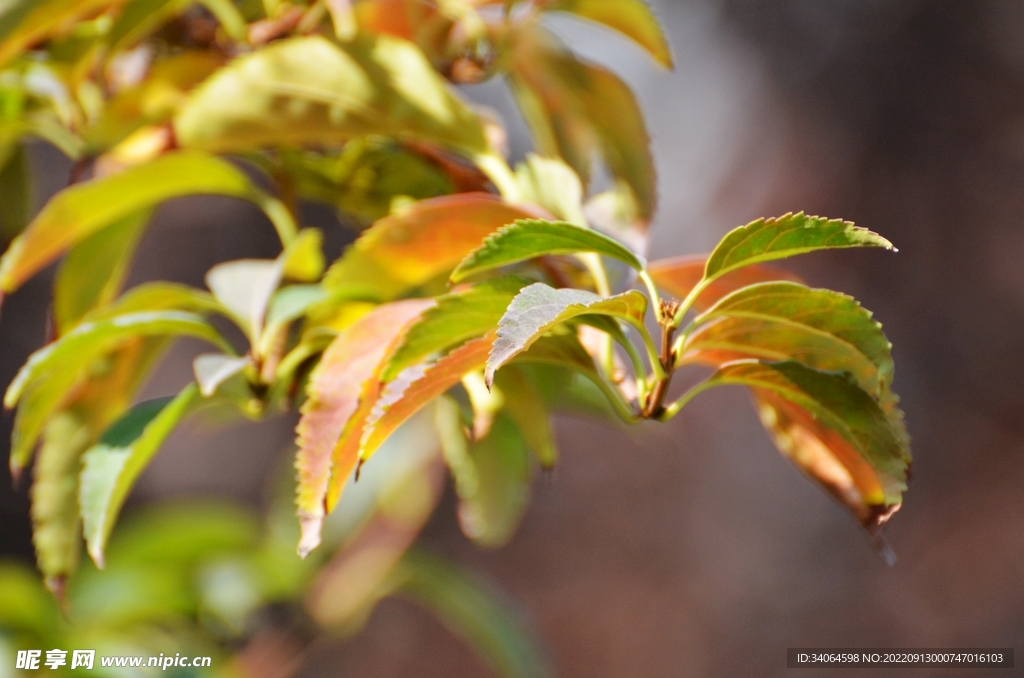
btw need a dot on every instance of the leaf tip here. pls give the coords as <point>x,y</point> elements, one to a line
<point>16,472</point>
<point>310,525</point>
<point>96,554</point>
<point>57,586</point>
<point>359,468</point>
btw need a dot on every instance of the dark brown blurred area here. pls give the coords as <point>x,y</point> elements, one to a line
<point>695,549</point>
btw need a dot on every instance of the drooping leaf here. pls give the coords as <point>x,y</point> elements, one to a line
<point>112,466</point>
<point>575,109</point>
<point>92,339</point>
<point>632,18</point>
<point>373,85</point>
<point>424,241</point>
<point>826,457</point>
<point>490,514</point>
<point>456,318</point>
<point>538,308</point>
<point>55,532</point>
<point>417,386</point>
<point>786,236</point>
<point>778,321</point>
<point>530,238</point>
<point>337,404</point>
<point>100,387</point>
<point>244,287</point>
<point>83,209</point>
<point>525,407</point>
<point>94,270</point>
<point>213,369</point>
<point>838,405</point>
<point>474,612</point>
<point>679,275</point>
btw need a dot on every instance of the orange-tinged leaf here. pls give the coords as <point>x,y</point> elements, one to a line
<point>826,457</point>
<point>386,16</point>
<point>426,240</point>
<point>417,386</point>
<point>632,18</point>
<point>679,275</point>
<point>335,391</point>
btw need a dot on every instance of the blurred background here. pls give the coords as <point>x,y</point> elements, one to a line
<point>694,548</point>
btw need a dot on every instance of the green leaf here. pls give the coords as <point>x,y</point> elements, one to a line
<point>341,392</point>
<point>94,270</point>
<point>836,403</point>
<point>213,369</point>
<point>112,466</point>
<point>530,238</point>
<point>307,90</point>
<point>786,236</point>
<point>55,498</point>
<point>24,23</point>
<point>291,303</point>
<point>475,613</point>
<point>632,18</point>
<point>244,288</point>
<point>524,404</point>
<point>91,339</point>
<point>160,296</point>
<point>105,382</point>
<point>489,516</point>
<point>85,208</point>
<point>538,308</point>
<point>553,185</point>
<point>415,245</point>
<point>15,193</point>
<point>455,319</point>
<point>576,109</point>
<point>823,329</point>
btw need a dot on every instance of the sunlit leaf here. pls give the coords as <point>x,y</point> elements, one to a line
<point>83,209</point>
<point>679,275</point>
<point>838,405</point>
<point>244,287</point>
<point>424,241</point>
<point>91,339</point>
<point>160,296</point>
<point>374,85</point>
<point>456,318</point>
<point>94,270</point>
<point>417,386</point>
<point>538,308</point>
<point>474,612</point>
<point>112,466</point>
<point>576,109</point>
<point>826,457</point>
<point>530,238</point>
<point>779,321</point>
<point>786,236</point>
<point>553,185</point>
<point>213,369</point>
<point>338,403</point>
<point>632,18</point>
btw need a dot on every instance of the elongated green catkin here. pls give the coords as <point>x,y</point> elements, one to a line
<point>55,518</point>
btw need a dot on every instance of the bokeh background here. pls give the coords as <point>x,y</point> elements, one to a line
<point>694,548</point>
